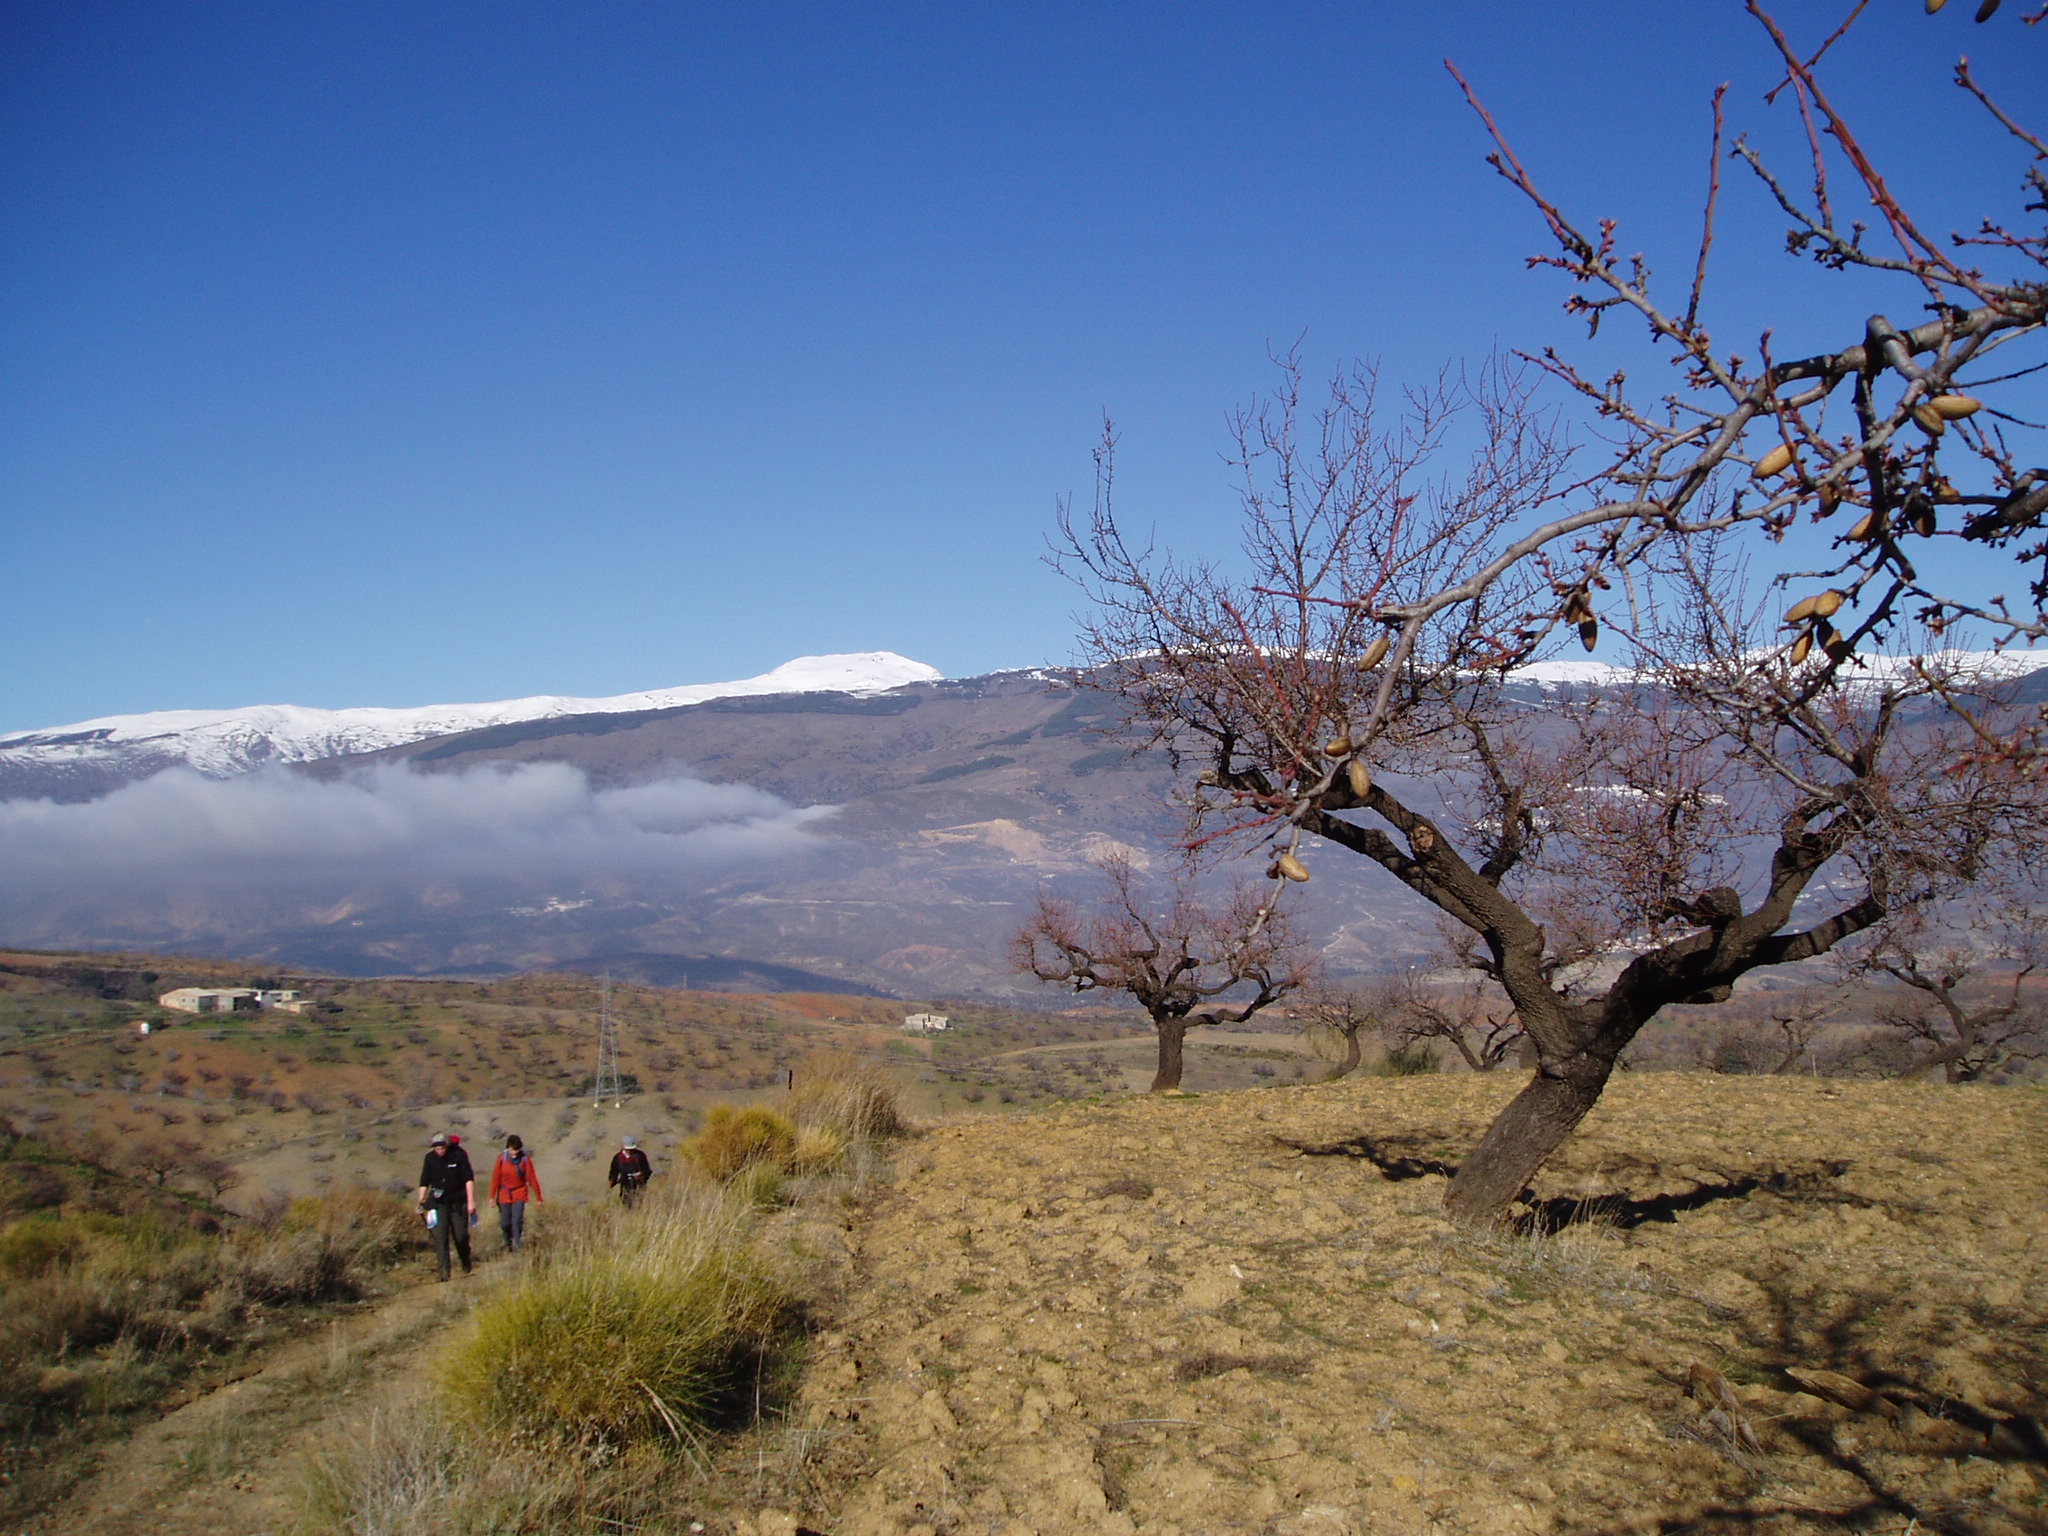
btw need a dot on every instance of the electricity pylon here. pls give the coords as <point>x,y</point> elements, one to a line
<point>606,1084</point>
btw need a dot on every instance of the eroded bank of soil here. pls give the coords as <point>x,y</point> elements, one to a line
<point>1217,1315</point>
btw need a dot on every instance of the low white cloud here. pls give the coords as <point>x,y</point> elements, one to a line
<point>281,839</point>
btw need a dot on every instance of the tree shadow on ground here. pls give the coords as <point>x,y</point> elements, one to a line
<point>1900,1448</point>
<point>1400,1158</point>
<point>1909,1428</point>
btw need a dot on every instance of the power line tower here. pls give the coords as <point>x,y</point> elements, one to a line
<point>606,1084</point>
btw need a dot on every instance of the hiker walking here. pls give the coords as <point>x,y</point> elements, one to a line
<point>448,1197</point>
<point>513,1182</point>
<point>630,1172</point>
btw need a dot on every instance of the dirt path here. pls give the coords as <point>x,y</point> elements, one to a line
<point>230,1463</point>
<point>1218,1315</point>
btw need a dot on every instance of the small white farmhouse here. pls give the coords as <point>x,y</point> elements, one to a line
<point>926,1023</point>
<point>210,999</point>
<point>231,1000</point>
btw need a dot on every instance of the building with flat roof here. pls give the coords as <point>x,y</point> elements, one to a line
<point>231,999</point>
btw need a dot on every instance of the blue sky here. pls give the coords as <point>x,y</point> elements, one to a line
<point>373,353</point>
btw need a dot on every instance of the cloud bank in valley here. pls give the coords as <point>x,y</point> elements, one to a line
<point>278,841</point>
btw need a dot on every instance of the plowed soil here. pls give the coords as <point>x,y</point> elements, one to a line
<point>1244,1312</point>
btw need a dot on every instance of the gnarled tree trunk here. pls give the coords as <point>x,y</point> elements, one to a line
<point>1534,1124</point>
<point>1173,1033</point>
<point>1353,1054</point>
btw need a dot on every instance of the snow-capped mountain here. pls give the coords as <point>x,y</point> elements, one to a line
<point>87,757</point>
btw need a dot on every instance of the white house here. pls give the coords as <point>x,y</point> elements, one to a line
<point>926,1023</point>
<point>229,1000</point>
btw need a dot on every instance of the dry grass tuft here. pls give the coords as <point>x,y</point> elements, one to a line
<point>417,1473</point>
<point>819,1149</point>
<point>634,1327</point>
<point>839,1090</point>
<point>734,1139</point>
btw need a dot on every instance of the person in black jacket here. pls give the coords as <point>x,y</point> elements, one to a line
<point>448,1197</point>
<point>630,1172</point>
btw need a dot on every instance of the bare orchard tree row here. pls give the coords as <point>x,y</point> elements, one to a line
<point>1954,1006</point>
<point>1755,789</point>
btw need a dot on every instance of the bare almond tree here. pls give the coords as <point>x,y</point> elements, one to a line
<point>1184,961</point>
<point>1337,1019</point>
<point>1893,443</point>
<point>1475,1019</point>
<point>1753,789</point>
<point>1799,1020</point>
<point>1611,850</point>
<point>1964,1004</point>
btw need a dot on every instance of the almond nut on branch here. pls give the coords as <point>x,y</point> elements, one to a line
<point>1822,605</point>
<point>1776,462</point>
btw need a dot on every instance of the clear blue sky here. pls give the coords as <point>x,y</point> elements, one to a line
<point>380,353</point>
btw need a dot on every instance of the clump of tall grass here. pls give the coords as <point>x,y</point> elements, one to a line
<point>1411,1058</point>
<point>840,1109</point>
<point>733,1139</point>
<point>839,1091</point>
<point>631,1328</point>
<point>105,1310</point>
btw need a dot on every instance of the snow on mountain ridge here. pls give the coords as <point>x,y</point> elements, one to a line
<point>1985,665</point>
<point>223,742</point>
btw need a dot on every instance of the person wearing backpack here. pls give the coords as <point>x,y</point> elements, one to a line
<point>448,1198</point>
<point>630,1172</point>
<point>514,1181</point>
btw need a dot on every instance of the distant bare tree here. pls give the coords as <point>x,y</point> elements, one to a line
<point>216,1174</point>
<point>1475,1019</point>
<point>1964,1004</point>
<point>1336,1019</point>
<point>1178,957</point>
<point>163,1159</point>
<point>1800,1020</point>
<point>1772,1042</point>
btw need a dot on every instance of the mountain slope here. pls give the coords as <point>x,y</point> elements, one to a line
<point>885,838</point>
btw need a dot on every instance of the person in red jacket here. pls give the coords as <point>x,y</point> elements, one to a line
<point>513,1182</point>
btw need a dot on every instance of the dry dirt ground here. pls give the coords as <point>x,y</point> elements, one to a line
<point>1243,1313</point>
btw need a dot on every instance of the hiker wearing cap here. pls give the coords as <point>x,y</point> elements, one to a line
<point>448,1197</point>
<point>513,1183</point>
<point>630,1171</point>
